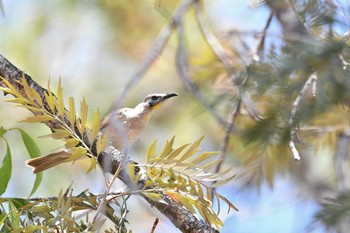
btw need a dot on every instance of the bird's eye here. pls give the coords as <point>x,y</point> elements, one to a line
<point>154,98</point>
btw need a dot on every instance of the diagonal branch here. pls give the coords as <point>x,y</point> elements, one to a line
<point>110,159</point>
<point>156,50</point>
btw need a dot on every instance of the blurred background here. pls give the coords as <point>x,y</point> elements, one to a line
<point>97,47</point>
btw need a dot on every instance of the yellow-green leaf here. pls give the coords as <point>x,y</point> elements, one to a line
<point>92,165</point>
<point>50,101</point>
<point>60,134</point>
<point>37,98</point>
<point>192,150</point>
<point>9,88</point>
<point>27,89</point>
<point>177,151</point>
<point>96,124</point>
<point>77,153</point>
<point>60,104</point>
<point>71,142</point>
<point>102,142</point>
<point>38,118</point>
<point>83,113</point>
<point>152,149</point>
<point>72,113</point>
<point>168,148</point>
<point>200,158</point>
<point>5,169</point>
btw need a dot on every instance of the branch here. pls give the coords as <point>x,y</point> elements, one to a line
<point>156,50</point>
<point>110,159</point>
<point>211,38</point>
<point>292,122</point>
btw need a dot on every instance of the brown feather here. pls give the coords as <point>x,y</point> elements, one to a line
<point>45,162</point>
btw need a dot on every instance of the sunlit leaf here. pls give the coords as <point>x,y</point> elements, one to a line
<point>102,142</point>
<point>60,134</point>
<point>96,124</point>
<point>38,119</point>
<point>168,148</point>
<point>60,103</point>
<point>14,216</point>
<point>177,151</point>
<point>71,142</point>
<point>202,157</point>
<point>5,169</point>
<point>92,165</point>
<point>77,153</point>
<point>27,89</point>
<point>192,150</point>
<point>151,149</point>
<point>34,152</point>
<point>83,113</point>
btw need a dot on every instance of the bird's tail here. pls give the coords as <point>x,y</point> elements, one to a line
<point>45,162</point>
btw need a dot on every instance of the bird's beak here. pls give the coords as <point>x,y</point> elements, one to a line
<point>169,95</point>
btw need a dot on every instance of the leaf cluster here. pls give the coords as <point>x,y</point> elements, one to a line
<point>47,108</point>
<point>57,214</point>
<point>187,178</point>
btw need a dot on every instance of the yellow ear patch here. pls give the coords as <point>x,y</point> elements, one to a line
<point>157,106</point>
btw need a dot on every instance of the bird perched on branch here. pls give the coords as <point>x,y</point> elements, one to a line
<point>124,126</point>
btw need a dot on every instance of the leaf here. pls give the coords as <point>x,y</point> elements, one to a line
<point>5,169</point>
<point>83,113</point>
<point>168,148</point>
<point>192,150</point>
<point>34,152</point>
<point>102,142</point>
<point>227,202</point>
<point>77,153</point>
<point>2,131</point>
<point>50,99</point>
<point>96,124</point>
<point>60,104</point>
<point>60,134</point>
<point>152,149</point>
<point>71,142</point>
<point>72,113</point>
<point>92,165</point>
<point>177,151</point>
<point>26,88</point>
<point>10,88</point>
<point>14,216</point>
<point>200,158</point>
<point>38,119</point>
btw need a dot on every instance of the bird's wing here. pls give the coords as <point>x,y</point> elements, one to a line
<point>119,114</point>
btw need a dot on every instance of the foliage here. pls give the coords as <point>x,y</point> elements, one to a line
<point>56,213</point>
<point>187,178</point>
<point>80,142</point>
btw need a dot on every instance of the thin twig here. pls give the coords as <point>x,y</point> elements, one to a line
<point>211,39</point>
<point>155,51</point>
<point>260,43</point>
<point>155,225</point>
<point>292,123</point>
<point>185,76</point>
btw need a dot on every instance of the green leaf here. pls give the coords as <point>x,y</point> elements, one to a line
<point>14,216</point>
<point>192,150</point>
<point>2,131</point>
<point>168,148</point>
<point>96,124</point>
<point>34,152</point>
<point>77,153</point>
<point>5,169</point>
<point>38,119</point>
<point>60,104</point>
<point>83,113</point>
<point>152,149</point>
<point>92,165</point>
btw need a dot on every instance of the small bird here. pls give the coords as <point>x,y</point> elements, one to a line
<point>124,126</point>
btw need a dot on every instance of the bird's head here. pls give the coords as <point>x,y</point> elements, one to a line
<point>154,101</point>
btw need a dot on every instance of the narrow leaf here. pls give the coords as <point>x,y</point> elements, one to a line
<point>152,149</point>
<point>168,148</point>
<point>60,104</point>
<point>77,153</point>
<point>92,165</point>
<point>38,119</point>
<point>96,124</point>
<point>13,216</point>
<point>102,142</point>
<point>2,131</point>
<point>33,151</point>
<point>192,150</point>
<point>72,115</point>
<point>37,98</point>
<point>200,158</point>
<point>83,113</point>
<point>227,202</point>
<point>71,142</point>
<point>26,88</point>
<point>177,151</point>
<point>5,169</point>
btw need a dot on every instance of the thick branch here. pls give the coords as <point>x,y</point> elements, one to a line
<point>110,159</point>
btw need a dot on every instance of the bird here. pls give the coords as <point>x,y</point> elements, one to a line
<point>124,127</point>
